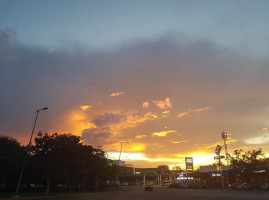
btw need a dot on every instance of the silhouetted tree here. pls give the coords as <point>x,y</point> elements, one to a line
<point>63,159</point>
<point>11,157</point>
<point>246,163</point>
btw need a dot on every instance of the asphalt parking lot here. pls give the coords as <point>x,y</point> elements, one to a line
<point>164,193</point>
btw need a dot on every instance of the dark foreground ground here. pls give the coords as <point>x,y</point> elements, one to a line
<point>163,193</point>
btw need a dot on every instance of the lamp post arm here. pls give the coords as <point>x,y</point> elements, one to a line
<point>30,142</point>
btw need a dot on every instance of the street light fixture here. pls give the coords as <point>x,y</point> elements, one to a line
<point>28,150</point>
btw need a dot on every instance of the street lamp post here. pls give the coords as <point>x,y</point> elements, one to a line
<point>27,151</point>
<point>117,174</point>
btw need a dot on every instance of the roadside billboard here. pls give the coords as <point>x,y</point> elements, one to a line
<point>189,164</point>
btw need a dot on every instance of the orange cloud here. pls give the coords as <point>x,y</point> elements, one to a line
<point>116,94</point>
<point>140,136</point>
<point>178,142</point>
<point>138,147</point>
<point>145,105</point>
<point>133,119</point>
<point>166,112</point>
<point>163,133</point>
<point>85,107</point>
<point>190,111</point>
<point>164,104</point>
<point>73,122</point>
<point>228,141</point>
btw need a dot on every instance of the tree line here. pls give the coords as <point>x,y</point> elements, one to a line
<point>250,166</point>
<point>53,162</point>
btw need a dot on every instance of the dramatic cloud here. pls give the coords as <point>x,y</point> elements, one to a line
<point>76,84</point>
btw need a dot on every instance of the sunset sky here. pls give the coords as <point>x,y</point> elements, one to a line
<point>166,76</point>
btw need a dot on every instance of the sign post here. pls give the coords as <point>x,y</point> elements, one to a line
<point>219,167</point>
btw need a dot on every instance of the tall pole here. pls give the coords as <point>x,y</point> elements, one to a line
<point>117,172</point>
<point>221,176</point>
<point>224,136</point>
<point>27,152</point>
<point>120,153</point>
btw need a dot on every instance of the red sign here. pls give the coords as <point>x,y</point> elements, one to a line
<point>218,149</point>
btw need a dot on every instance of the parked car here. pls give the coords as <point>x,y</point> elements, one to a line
<point>124,184</point>
<point>148,187</point>
<point>246,186</point>
<point>264,186</point>
<point>235,185</point>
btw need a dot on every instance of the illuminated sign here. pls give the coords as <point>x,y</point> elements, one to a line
<point>189,163</point>
<point>216,174</point>
<point>218,149</point>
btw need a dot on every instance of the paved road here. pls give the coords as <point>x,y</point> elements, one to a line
<point>163,193</point>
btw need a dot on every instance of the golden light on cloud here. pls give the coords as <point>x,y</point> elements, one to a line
<point>231,141</point>
<point>138,147</point>
<point>190,111</point>
<point>166,112</point>
<point>164,104</point>
<point>140,136</point>
<point>116,94</point>
<point>77,117</point>
<point>74,122</point>
<point>178,142</point>
<point>182,114</point>
<point>85,107</point>
<point>145,105</point>
<point>265,129</point>
<point>133,119</point>
<point>160,134</point>
<point>228,141</point>
<point>163,133</point>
